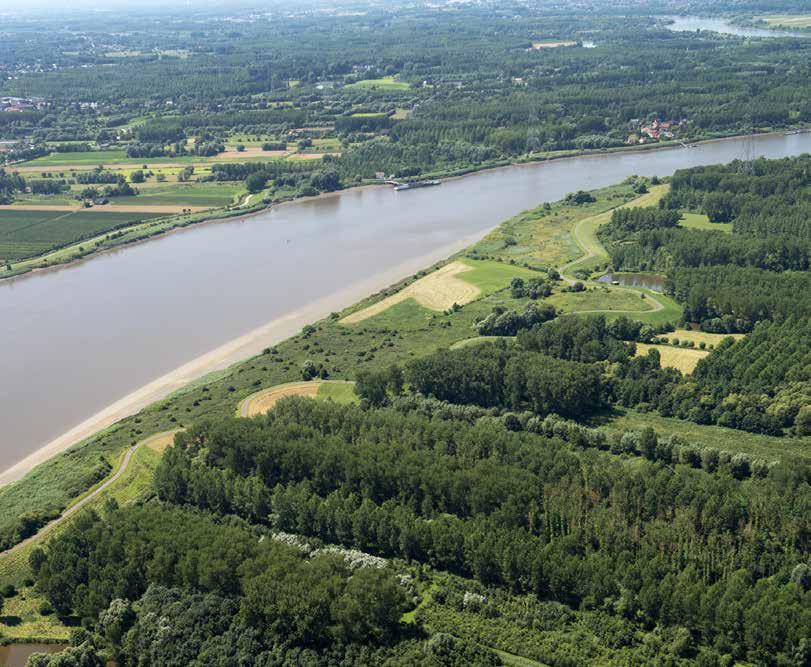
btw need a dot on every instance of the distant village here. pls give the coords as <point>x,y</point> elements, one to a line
<point>657,130</point>
<point>18,104</point>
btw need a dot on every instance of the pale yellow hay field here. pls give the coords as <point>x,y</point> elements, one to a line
<point>682,358</point>
<point>437,291</point>
<point>551,45</point>
<point>262,401</point>
<point>700,336</point>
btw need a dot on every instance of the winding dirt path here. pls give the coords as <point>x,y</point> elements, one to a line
<point>592,248</point>
<point>157,441</point>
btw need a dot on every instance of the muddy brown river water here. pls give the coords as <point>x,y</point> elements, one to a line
<point>74,340</point>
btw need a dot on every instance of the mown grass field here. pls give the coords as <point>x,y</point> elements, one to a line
<point>701,221</point>
<point>478,340</point>
<point>490,276</point>
<point>340,392</point>
<point>29,233</point>
<point>383,83</point>
<point>600,299</point>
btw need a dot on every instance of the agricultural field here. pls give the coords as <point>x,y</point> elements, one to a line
<point>117,159</point>
<point>684,359</point>
<point>788,20</point>
<point>195,195</point>
<point>386,83</point>
<point>26,234</point>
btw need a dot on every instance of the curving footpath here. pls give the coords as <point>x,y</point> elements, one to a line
<point>70,511</point>
<point>589,253</point>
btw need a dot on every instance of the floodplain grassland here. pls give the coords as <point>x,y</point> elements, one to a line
<point>22,619</point>
<point>585,231</point>
<point>542,237</point>
<point>134,483</point>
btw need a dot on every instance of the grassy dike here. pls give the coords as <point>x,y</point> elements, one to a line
<point>530,242</point>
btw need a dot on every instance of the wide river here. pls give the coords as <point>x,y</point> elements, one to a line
<point>74,340</point>
<point>724,26</point>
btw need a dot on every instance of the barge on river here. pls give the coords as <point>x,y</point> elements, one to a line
<point>415,184</point>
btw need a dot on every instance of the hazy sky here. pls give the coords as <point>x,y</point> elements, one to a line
<point>64,8</point>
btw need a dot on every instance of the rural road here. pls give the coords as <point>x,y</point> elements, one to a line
<point>48,527</point>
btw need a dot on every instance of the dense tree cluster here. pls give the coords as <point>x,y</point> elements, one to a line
<point>653,544</point>
<point>503,322</point>
<point>586,339</point>
<point>763,198</point>
<point>729,299</point>
<point>9,185</point>
<point>226,591</point>
<point>501,376</point>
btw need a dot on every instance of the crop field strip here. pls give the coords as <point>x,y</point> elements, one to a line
<point>28,233</point>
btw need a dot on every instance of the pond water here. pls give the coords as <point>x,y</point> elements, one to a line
<point>16,655</point>
<point>75,340</point>
<point>651,281</point>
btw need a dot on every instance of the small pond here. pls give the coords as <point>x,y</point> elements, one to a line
<point>16,655</point>
<point>651,281</point>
